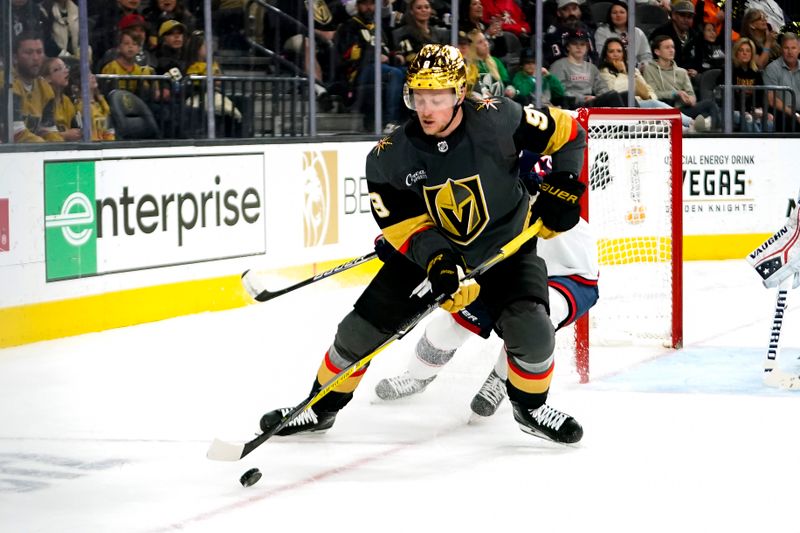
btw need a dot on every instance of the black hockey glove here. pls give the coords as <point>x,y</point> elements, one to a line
<point>444,275</point>
<point>383,248</point>
<point>558,203</point>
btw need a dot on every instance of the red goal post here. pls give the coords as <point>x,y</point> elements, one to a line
<point>633,169</point>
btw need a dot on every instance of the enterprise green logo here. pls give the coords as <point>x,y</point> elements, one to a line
<point>96,221</point>
<point>70,236</point>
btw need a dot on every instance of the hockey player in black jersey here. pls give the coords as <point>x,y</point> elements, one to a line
<point>446,194</point>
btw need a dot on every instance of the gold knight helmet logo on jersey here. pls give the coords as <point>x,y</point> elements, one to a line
<point>459,208</point>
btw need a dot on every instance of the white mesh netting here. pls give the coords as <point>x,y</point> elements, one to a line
<point>630,210</point>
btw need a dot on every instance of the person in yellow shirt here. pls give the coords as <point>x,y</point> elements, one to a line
<point>34,100</point>
<point>196,56</point>
<point>124,64</point>
<point>102,127</point>
<point>56,73</point>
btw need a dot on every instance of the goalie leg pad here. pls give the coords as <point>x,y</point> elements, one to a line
<point>778,258</point>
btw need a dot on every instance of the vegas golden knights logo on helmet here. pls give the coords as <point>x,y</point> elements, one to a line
<point>459,208</point>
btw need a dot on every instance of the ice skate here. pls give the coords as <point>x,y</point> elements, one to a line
<point>488,399</point>
<point>306,422</point>
<point>400,386</point>
<point>548,423</point>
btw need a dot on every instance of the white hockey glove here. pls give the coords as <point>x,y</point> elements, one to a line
<point>778,258</point>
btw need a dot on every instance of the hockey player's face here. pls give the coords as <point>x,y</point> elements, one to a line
<point>434,109</point>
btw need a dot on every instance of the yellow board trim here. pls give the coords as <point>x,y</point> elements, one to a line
<point>52,320</point>
<point>716,247</point>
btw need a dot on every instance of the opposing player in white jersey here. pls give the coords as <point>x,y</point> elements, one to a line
<point>572,268</point>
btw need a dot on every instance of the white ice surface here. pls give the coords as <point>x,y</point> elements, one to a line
<point>108,432</point>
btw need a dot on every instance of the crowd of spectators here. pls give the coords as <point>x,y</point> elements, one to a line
<point>585,47</point>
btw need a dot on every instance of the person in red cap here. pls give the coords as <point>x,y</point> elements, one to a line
<point>107,16</point>
<point>136,24</point>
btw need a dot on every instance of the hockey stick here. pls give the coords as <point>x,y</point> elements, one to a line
<point>774,376</point>
<point>259,293</point>
<point>227,451</point>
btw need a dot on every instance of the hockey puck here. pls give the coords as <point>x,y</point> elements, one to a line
<point>250,477</point>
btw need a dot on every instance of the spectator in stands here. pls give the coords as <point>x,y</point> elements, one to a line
<point>568,20</point>
<point>162,10</point>
<point>467,52</point>
<point>355,40</point>
<point>785,71</point>
<point>124,64</point>
<point>30,16</point>
<point>62,22</point>
<point>471,18</point>
<point>672,85</point>
<point>747,113</point>
<point>681,29</point>
<point>417,30</point>
<point>440,13</point>
<point>581,79</point>
<point>108,16</point>
<point>139,27</point>
<point>713,14</point>
<point>756,28</point>
<point>525,82</point>
<point>100,120</point>
<point>228,19</point>
<point>614,72</point>
<point>492,73</point>
<point>774,13</point>
<point>228,118</point>
<point>196,56</point>
<point>34,101</point>
<point>56,73</point>
<point>327,18</point>
<point>710,51</point>
<point>171,52</point>
<point>616,25</point>
<point>510,16</point>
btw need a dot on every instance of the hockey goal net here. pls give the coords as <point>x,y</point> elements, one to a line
<point>633,169</point>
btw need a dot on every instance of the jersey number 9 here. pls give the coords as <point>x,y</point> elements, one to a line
<point>535,118</point>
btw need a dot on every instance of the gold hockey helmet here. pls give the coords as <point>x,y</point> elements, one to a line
<point>437,66</point>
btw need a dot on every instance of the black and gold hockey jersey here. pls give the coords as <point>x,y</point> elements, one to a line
<point>462,192</point>
<point>33,115</point>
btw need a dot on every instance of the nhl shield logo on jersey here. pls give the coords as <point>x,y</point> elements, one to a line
<point>459,208</point>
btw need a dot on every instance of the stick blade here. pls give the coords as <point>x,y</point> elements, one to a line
<point>251,284</point>
<point>221,450</point>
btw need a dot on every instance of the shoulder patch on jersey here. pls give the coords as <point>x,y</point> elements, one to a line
<point>381,145</point>
<point>487,102</point>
